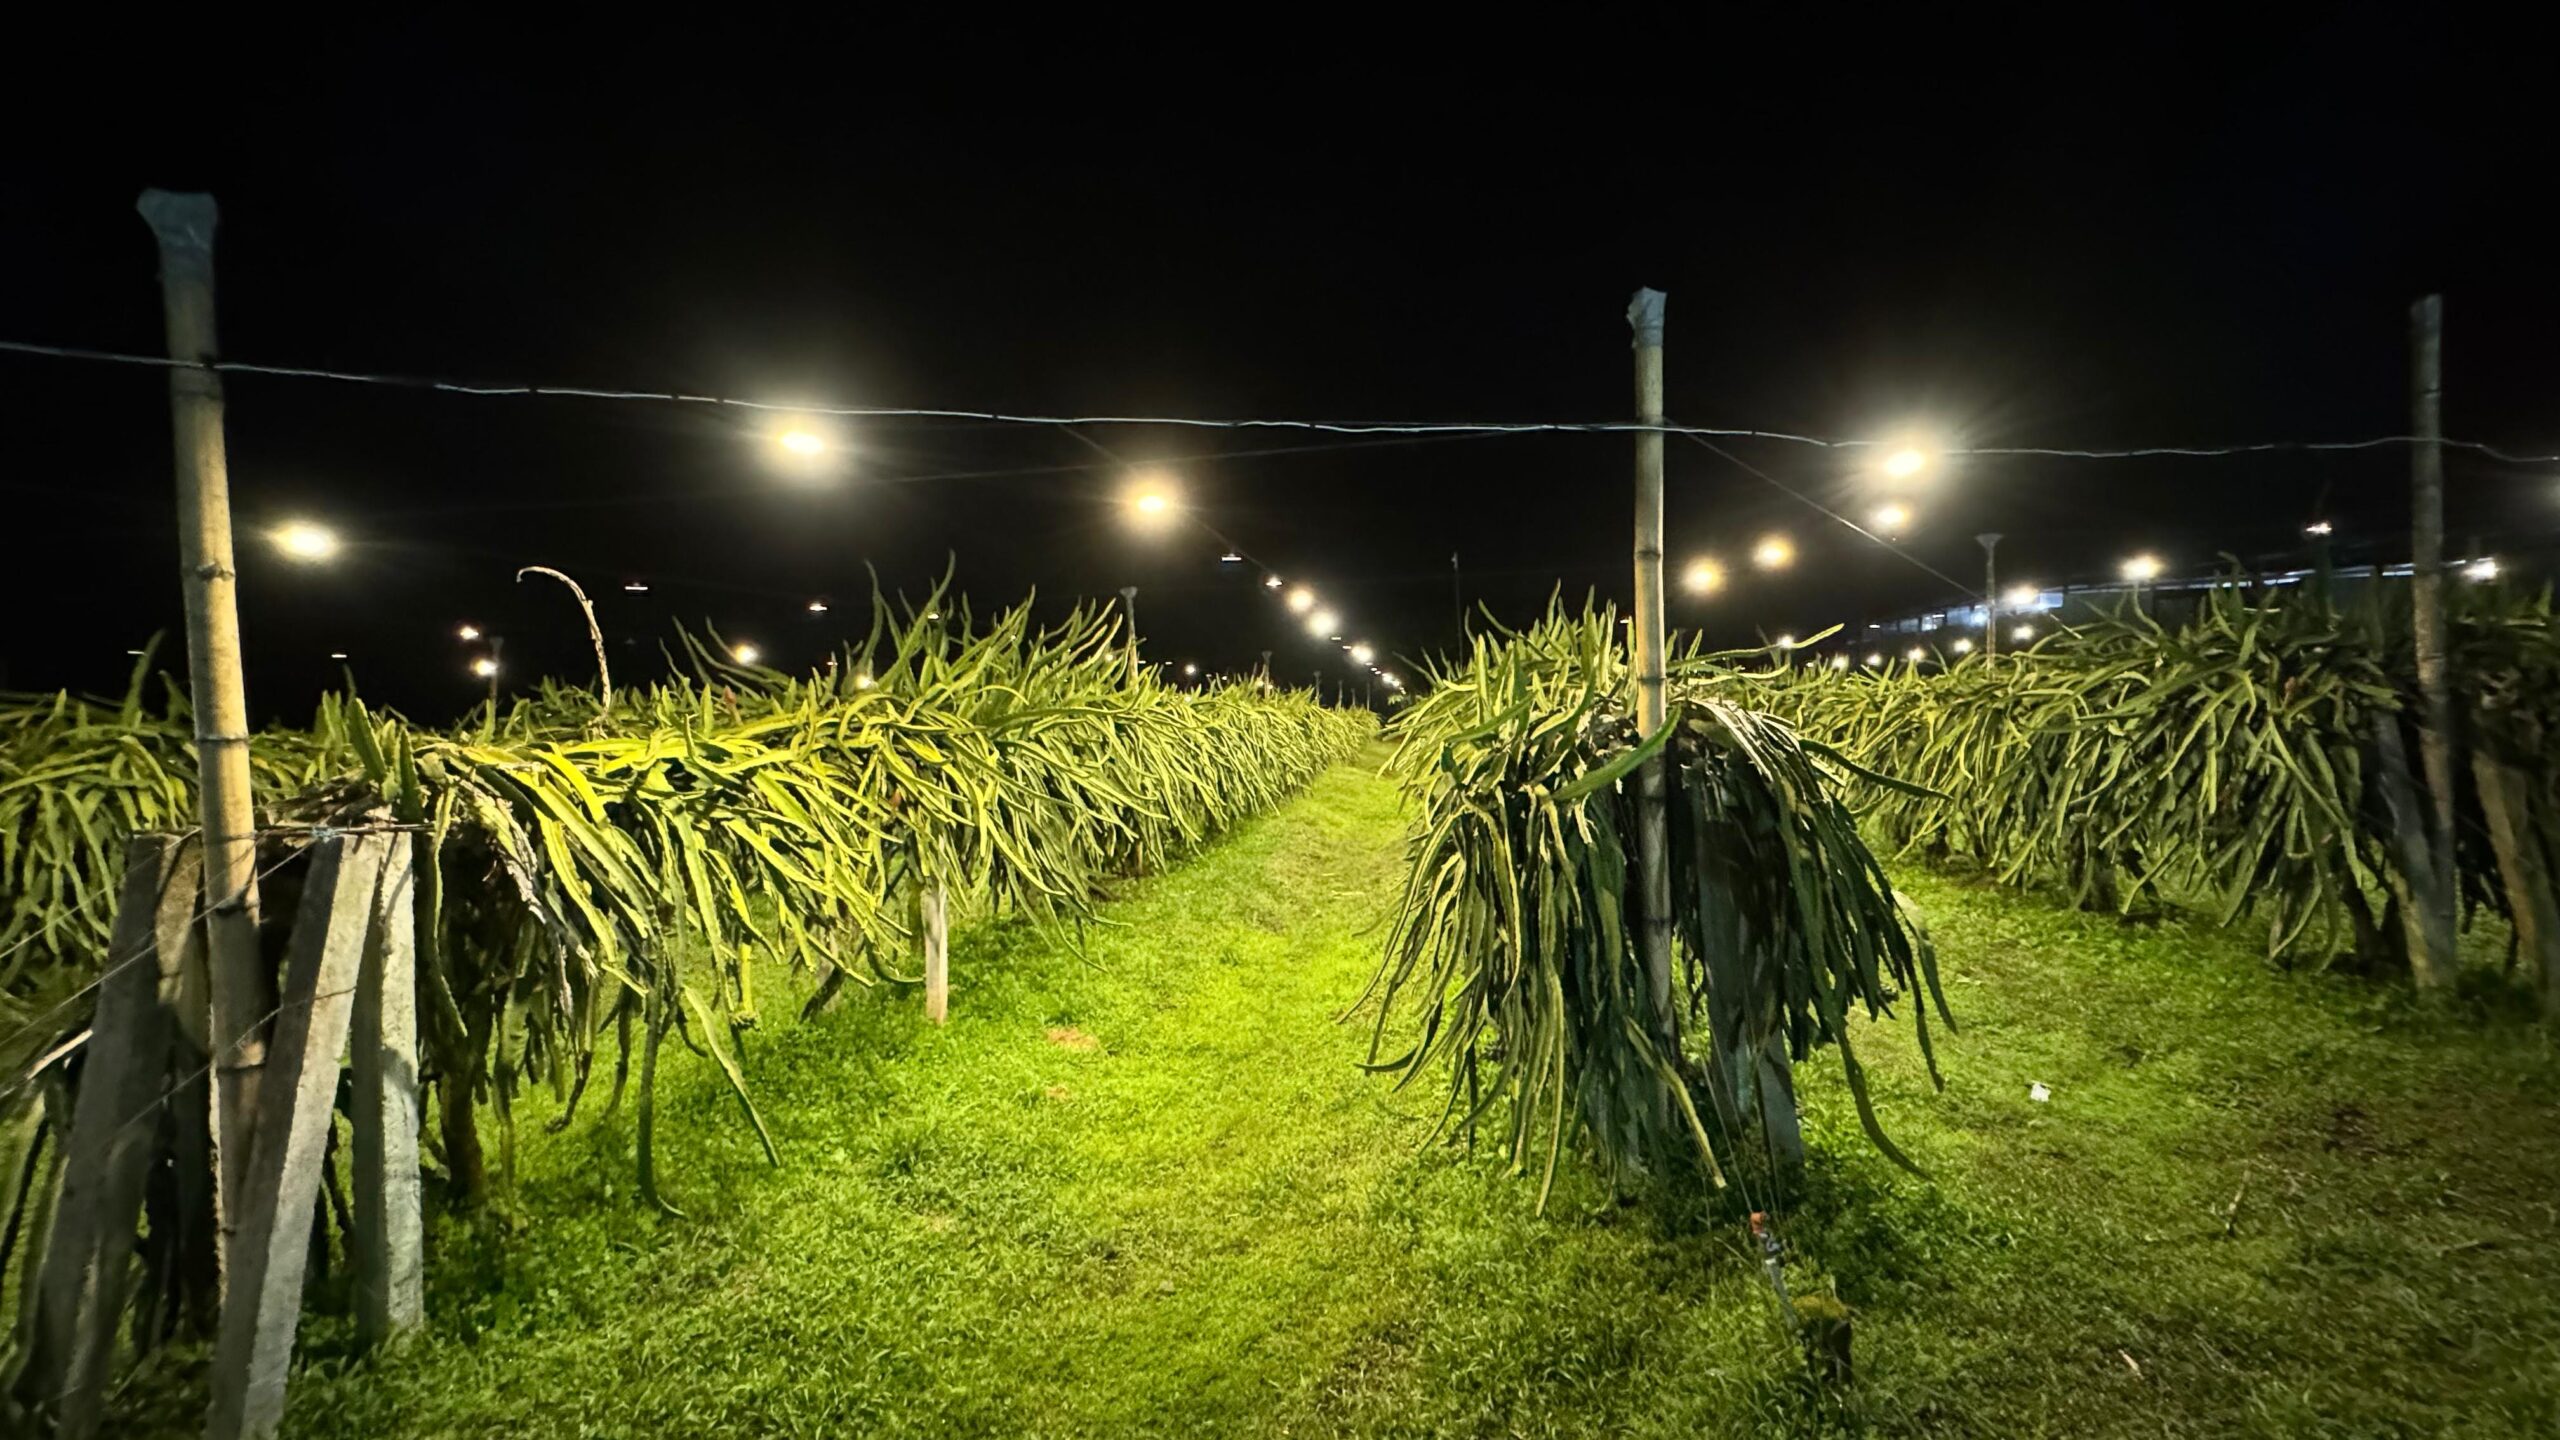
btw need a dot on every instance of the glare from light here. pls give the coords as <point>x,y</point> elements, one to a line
<point>2023,633</point>
<point>1913,654</point>
<point>2318,527</point>
<point>1962,646</point>
<point>1270,582</point>
<point>808,444</point>
<point>1703,577</point>
<point>635,587</point>
<point>2141,568</point>
<point>467,633</point>
<point>306,543</point>
<point>2020,597</point>
<point>1301,600</point>
<point>1322,623</point>
<point>817,607</point>
<point>2484,568</point>
<point>1150,497</point>
<point>1840,662</point>
<point>1889,519</point>
<point>1391,680</point>
<point>485,668</point>
<point>1774,552</point>
<point>1784,642</point>
<point>862,681</point>
<point>1906,462</point>
<point>337,654</point>
<point>1361,654</point>
<point>1230,558</point>
<point>745,654</point>
<point>1874,658</point>
<point>1190,669</point>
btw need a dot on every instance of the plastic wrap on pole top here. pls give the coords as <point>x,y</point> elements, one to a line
<point>181,221</point>
<point>1645,313</point>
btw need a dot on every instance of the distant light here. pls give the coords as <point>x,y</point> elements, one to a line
<point>467,633</point>
<point>1301,600</point>
<point>1361,654</point>
<point>802,442</point>
<point>1322,623</point>
<point>2019,597</point>
<point>1906,462</point>
<point>1774,552</point>
<point>1962,646</point>
<point>2318,527</point>
<point>1840,662</point>
<point>933,614</point>
<point>817,607</point>
<point>306,543</point>
<point>1190,669</point>
<point>635,587</point>
<point>2484,568</point>
<point>1703,577</point>
<point>133,652</point>
<point>1390,680</point>
<point>2023,632</point>
<point>862,681</point>
<point>337,654</point>
<point>1230,558</point>
<point>745,654</point>
<point>1913,654</point>
<point>1889,519</point>
<point>1270,582</point>
<point>1150,497</point>
<point>1784,642</point>
<point>485,668</point>
<point>2141,568</point>
<point>1874,658</point>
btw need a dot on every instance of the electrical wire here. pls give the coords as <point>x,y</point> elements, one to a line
<point>1337,427</point>
<point>1906,556</point>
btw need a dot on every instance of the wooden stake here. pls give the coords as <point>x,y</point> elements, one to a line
<point>383,1055</point>
<point>243,989</point>
<point>2525,866</point>
<point>2432,960</point>
<point>112,1143</point>
<point>935,937</point>
<point>1644,313</point>
<point>262,1303</point>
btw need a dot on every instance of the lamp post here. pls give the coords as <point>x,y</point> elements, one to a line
<point>1989,540</point>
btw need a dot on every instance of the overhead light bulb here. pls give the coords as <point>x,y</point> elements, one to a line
<point>1301,600</point>
<point>306,542</point>
<point>1774,552</point>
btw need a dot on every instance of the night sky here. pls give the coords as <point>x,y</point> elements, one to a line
<point>2155,231</point>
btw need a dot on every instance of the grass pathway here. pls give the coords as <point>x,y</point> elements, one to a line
<point>1149,1192</point>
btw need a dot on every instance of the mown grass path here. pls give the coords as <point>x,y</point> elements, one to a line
<point>1150,1192</point>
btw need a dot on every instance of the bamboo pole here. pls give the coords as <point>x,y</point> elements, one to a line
<point>243,988</point>
<point>1644,313</point>
<point>2432,960</point>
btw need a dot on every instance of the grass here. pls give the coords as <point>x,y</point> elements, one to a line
<point>1149,1192</point>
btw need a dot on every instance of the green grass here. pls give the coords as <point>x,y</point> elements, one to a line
<point>2256,1203</point>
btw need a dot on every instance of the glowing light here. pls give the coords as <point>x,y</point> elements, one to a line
<point>1321,623</point>
<point>802,442</point>
<point>1906,462</point>
<point>1270,582</point>
<point>1190,669</point>
<point>485,668</point>
<point>1962,646</point>
<point>745,654</point>
<point>1703,577</point>
<point>1889,519</point>
<point>1301,600</point>
<point>2141,568</point>
<point>306,543</point>
<point>1913,654</point>
<point>2484,568</point>
<point>817,607</point>
<point>1390,679</point>
<point>2318,527</point>
<point>1840,662</point>
<point>862,681</point>
<point>1874,658</point>
<point>1361,654</point>
<point>337,654</point>
<point>635,587</point>
<point>1230,558</point>
<point>1784,642</point>
<point>467,633</point>
<point>2023,633</point>
<point>1150,497</point>
<point>2020,597</point>
<point>1774,552</point>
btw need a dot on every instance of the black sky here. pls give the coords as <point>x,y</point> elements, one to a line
<point>2088,231</point>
